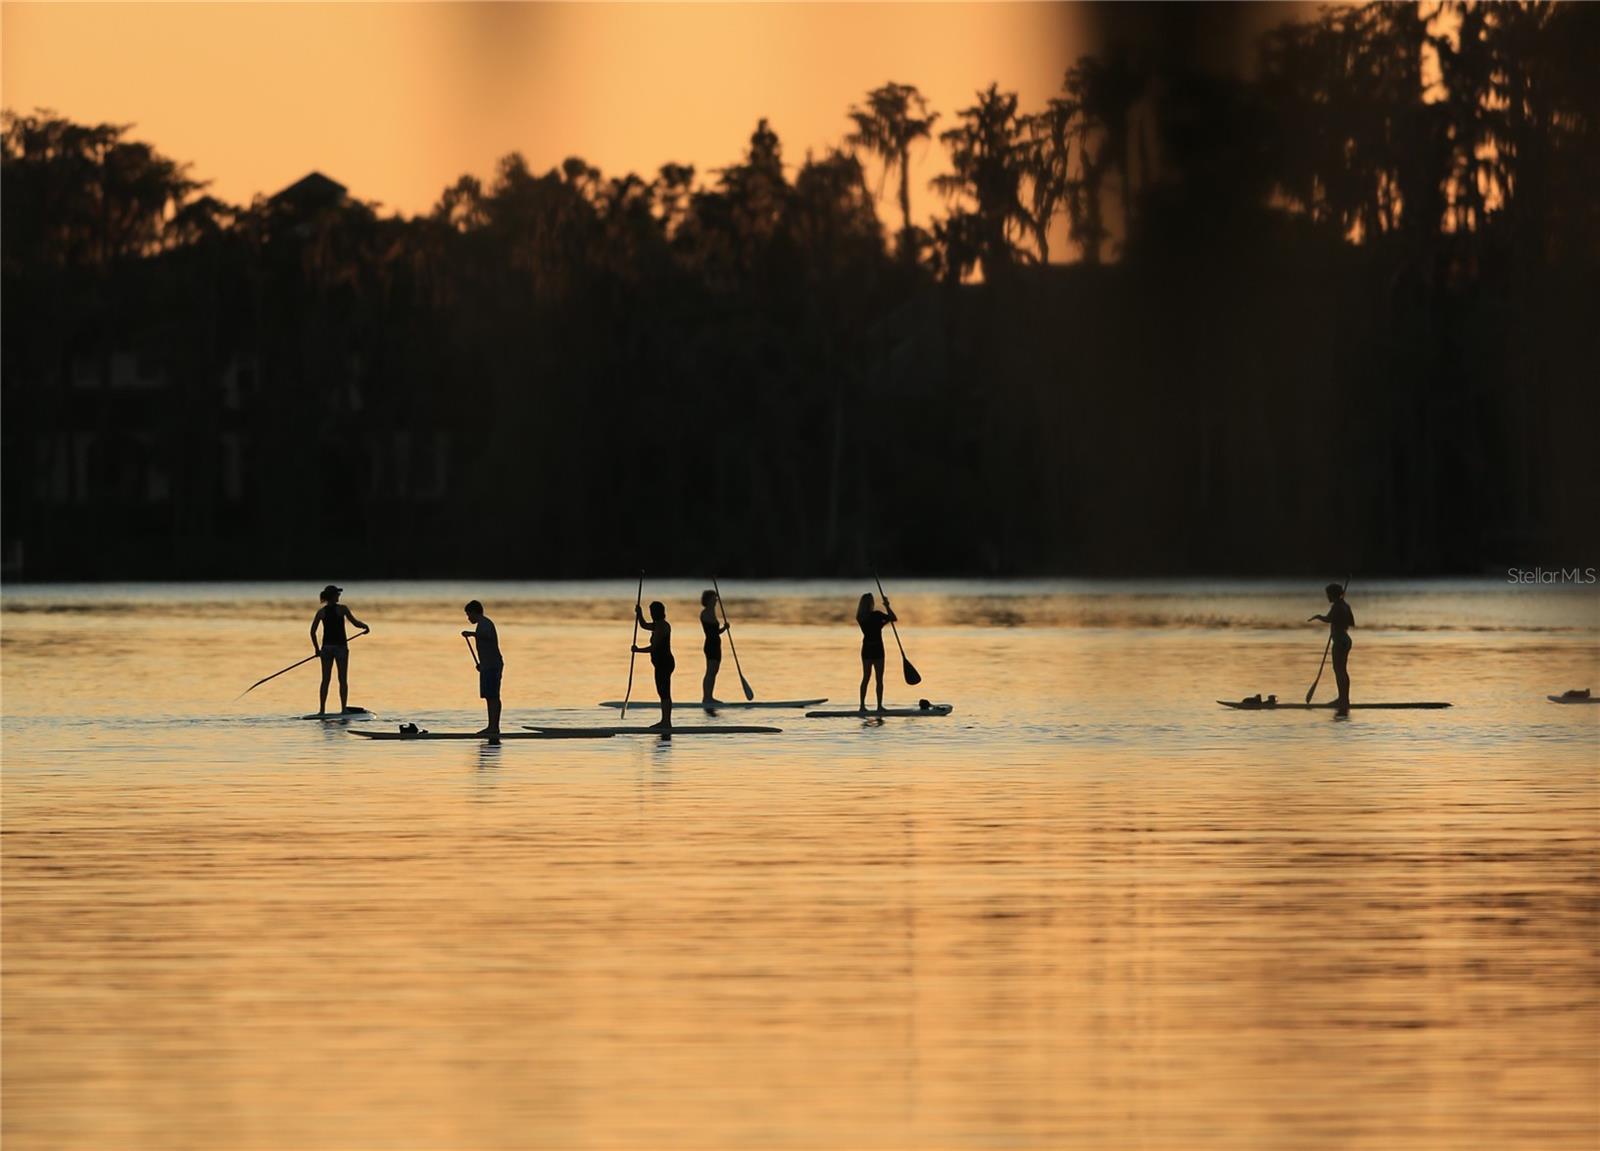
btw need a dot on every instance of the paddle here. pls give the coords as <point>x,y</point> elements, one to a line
<point>638,597</point>
<point>913,676</point>
<point>291,667</point>
<point>472,652</point>
<point>1312,690</point>
<point>726,626</point>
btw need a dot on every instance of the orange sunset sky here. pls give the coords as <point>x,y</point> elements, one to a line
<point>398,100</point>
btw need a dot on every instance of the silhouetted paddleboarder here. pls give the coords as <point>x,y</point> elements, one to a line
<point>872,624</point>
<point>660,650</point>
<point>713,645</point>
<point>335,645</point>
<point>1340,619</point>
<point>489,662</point>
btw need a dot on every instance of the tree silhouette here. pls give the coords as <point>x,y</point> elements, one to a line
<point>988,167</point>
<point>85,195</point>
<point>757,191</point>
<point>832,220</point>
<point>1356,144</point>
<point>674,185</point>
<point>1046,156</point>
<point>894,117</point>
<point>188,384</point>
<point>1103,92</point>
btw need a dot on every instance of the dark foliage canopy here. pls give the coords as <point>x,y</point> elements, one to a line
<point>1338,316</point>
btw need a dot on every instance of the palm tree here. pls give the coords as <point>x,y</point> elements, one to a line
<point>895,117</point>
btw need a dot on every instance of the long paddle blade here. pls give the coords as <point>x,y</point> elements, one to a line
<point>1326,648</point>
<point>638,597</point>
<point>291,667</point>
<point>1312,690</point>
<point>913,676</point>
<point>274,675</point>
<point>749,692</point>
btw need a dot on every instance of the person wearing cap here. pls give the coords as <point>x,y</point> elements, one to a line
<point>335,645</point>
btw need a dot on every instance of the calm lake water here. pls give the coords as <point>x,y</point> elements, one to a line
<point>1090,909</point>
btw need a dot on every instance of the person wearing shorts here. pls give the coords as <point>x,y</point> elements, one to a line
<point>335,646</point>
<point>491,665</point>
<point>660,650</point>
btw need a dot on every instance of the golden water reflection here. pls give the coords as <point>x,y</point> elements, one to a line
<point>1090,909</point>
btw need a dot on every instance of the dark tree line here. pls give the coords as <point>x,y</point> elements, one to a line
<point>1339,315</point>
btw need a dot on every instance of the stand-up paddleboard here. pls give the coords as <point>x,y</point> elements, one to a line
<point>679,705</point>
<point>347,713</point>
<point>1565,697</point>
<point>636,729</point>
<point>368,733</point>
<point>874,713</point>
<point>1253,705</point>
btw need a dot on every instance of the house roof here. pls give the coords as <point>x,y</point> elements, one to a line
<point>314,188</point>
